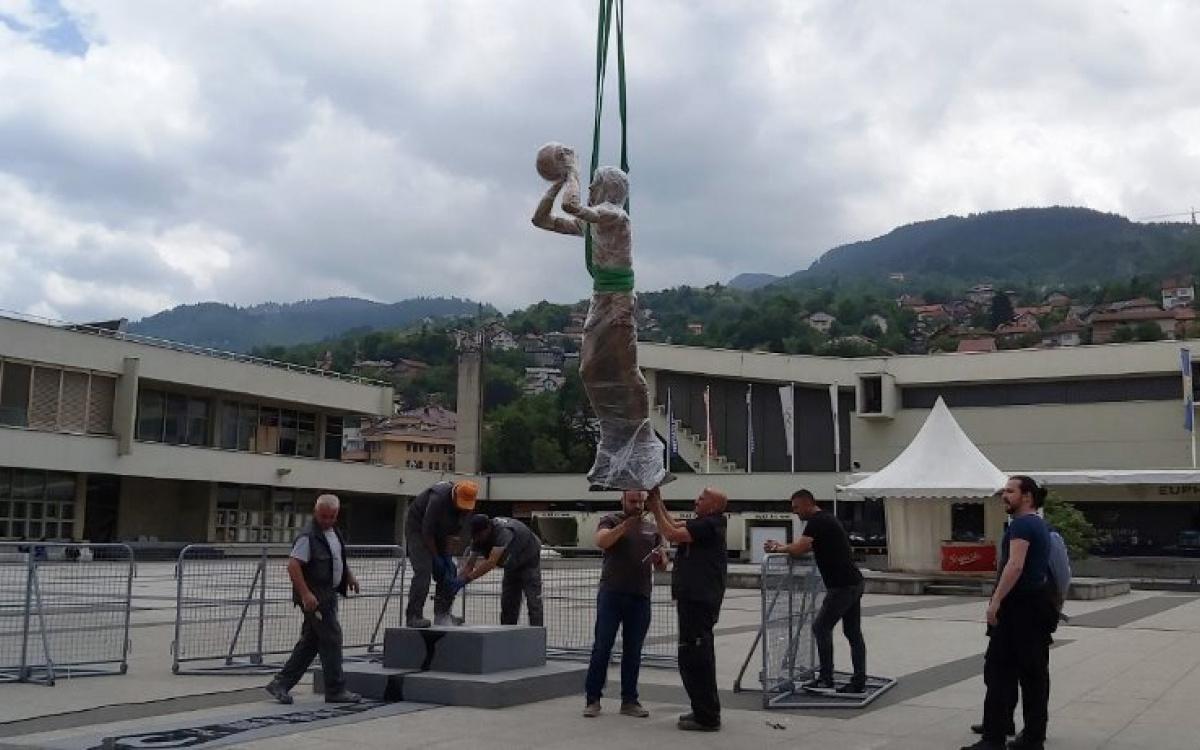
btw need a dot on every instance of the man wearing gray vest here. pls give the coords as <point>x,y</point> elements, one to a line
<point>319,574</point>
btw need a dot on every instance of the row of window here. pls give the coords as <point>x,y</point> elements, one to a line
<point>51,398</point>
<point>180,419</point>
<point>260,514</point>
<point>433,465</point>
<point>1158,388</point>
<point>426,448</point>
<point>36,504</point>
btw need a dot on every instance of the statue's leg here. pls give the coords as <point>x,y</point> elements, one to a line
<point>630,455</point>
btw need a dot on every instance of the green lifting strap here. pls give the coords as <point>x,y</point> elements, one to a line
<point>611,11</point>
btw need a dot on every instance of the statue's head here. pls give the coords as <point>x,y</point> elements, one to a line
<point>554,161</point>
<point>609,185</point>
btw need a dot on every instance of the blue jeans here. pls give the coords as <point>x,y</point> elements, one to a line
<point>631,613</point>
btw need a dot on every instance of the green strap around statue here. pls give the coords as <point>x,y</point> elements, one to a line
<point>606,278</point>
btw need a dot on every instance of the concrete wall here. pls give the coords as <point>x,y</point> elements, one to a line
<point>1129,435</point>
<point>58,346</point>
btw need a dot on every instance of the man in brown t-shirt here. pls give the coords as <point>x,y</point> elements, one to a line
<point>632,549</point>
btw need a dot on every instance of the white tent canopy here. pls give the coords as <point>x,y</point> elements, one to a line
<point>941,461</point>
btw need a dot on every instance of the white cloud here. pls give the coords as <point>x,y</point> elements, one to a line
<point>246,151</point>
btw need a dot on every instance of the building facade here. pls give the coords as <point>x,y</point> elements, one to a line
<point>105,436</point>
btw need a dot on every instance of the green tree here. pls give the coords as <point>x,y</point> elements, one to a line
<point>1148,330</point>
<point>1123,335</point>
<point>547,457</point>
<point>1076,530</point>
<point>1002,310</point>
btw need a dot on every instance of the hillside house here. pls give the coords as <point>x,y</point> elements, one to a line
<point>1067,333</point>
<point>1172,322</point>
<point>822,321</point>
<point>981,294</point>
<point>1178,292</point>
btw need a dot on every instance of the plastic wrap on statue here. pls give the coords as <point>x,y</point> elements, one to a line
<point>629,455</point>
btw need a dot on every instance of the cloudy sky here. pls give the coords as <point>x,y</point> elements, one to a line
<point>156,153</point>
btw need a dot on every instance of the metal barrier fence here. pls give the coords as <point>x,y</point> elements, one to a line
<point>569,588</point>
<point>64,610</point>
<point>792,592</point>
<point>234,611</point>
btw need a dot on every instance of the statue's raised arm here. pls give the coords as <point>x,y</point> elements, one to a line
<point>630,455</point>
<point>557,164</point>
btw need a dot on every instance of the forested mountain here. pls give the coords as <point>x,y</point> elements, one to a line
<point>240,329</point>
<point>1057,246</point>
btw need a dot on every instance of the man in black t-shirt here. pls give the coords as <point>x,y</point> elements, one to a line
<point>698,587</point>
<point>632,550</point>
<point>830,546</point>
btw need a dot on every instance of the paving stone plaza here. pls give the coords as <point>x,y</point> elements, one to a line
<point>1124,674</point>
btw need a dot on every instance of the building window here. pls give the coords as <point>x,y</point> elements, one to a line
<point>287,432</point>
<point>50,398</point>
<point>306,435</point>
<point>14,394</point>
<point>36,504</point>
<point>268,430</point>
<point>172,418</point>
<point>333,437</point>
<point>966,522</point>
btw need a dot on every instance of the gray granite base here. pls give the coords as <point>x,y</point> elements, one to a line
<point>497,689</point>
<point>468,649</point>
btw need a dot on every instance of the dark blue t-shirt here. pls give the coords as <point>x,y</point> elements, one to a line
<point>1032,529</point>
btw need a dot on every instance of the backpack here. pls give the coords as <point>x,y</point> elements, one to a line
<point>1060,570</point>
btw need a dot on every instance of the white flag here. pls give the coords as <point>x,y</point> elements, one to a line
<point>789,416</point>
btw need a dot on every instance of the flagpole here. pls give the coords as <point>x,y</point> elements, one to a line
<point>707,432</point>
<point>749,427</point>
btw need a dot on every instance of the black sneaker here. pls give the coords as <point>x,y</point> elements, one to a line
<point>818,685</point>
<point>1021,742</point>
<point>984,745</point>
<point>691,725</point>
<point>279,692</point>
<point>417,622</point>
<point>853,689</point>
<point>343,696</point>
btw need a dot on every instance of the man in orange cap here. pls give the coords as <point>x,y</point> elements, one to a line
<point>434,516</point>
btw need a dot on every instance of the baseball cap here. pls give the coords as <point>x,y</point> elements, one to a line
<point>464,495</point>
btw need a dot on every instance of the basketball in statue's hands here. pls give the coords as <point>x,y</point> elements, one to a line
<point>555,161</point>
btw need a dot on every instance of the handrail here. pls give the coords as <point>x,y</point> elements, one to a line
<point>180,346</point>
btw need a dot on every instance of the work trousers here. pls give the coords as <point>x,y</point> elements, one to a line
<point>1018,655</point>
<point>841,603</point>
<point>698,660</point>
<point>421,561</point>
<point>321,634</point>
<point>523,580</point>
<point>630,613</point>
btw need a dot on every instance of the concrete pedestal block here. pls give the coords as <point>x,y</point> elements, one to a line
<point>370,679</point>
<point>497,689</point>
<point>467,649</point>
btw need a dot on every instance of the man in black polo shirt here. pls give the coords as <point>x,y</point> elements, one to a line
<point>698,586</point>
<point>827,540</point>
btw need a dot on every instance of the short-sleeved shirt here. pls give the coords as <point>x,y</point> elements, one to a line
<point>701,564</point>
<point>520,545</point>
<point>831,551</point>
<point>301,551</point>
<point>1032,529</point>
<point>627,567</point>
<point>433,513</point>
